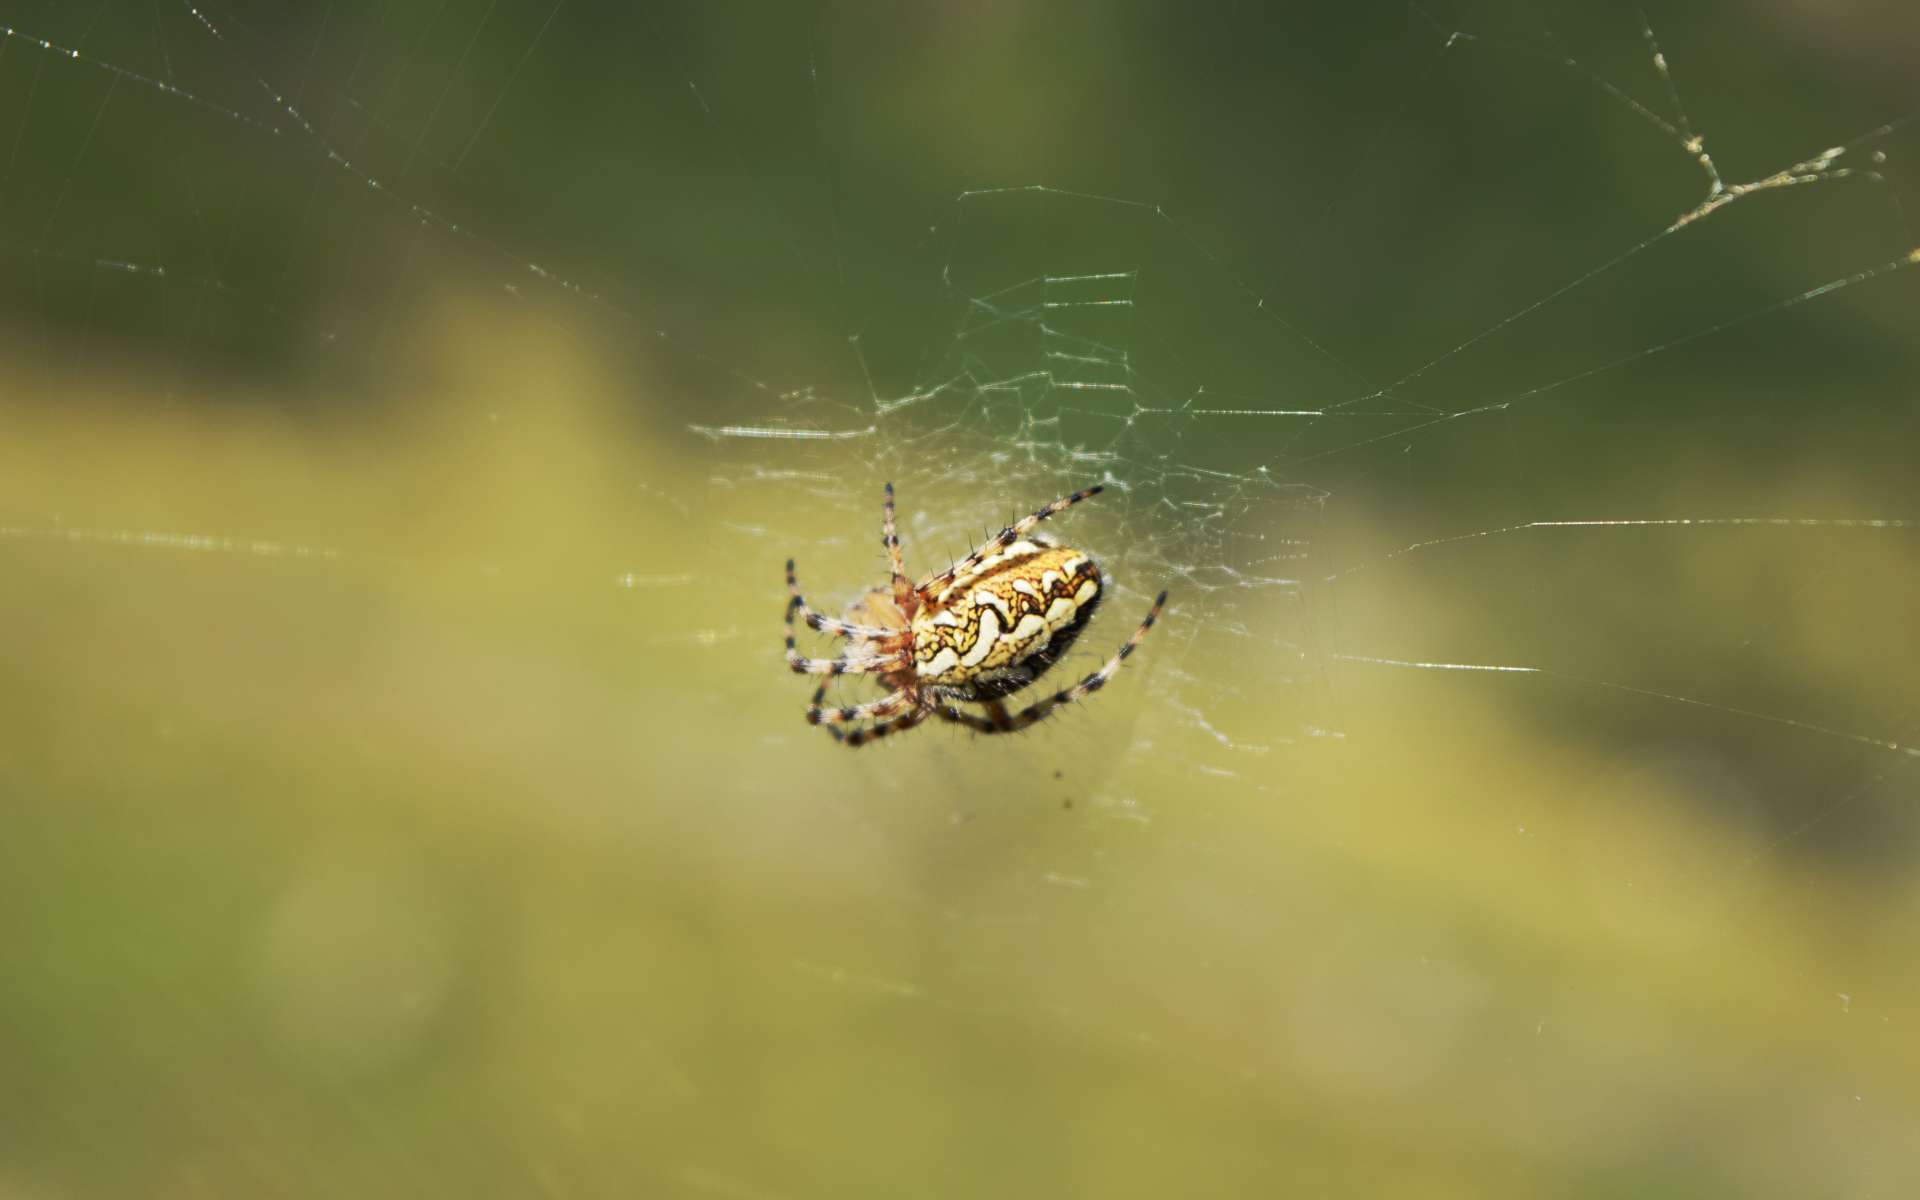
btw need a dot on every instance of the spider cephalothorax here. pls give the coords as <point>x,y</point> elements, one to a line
<point>974,633</point>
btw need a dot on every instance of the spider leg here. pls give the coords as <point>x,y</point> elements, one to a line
<point>801,665</point>
<point>960,716</point>
<point>886,706</point>
<point>899,724</point>
<point>800,608</point>
<point>860,737</point>
<point>902,586</point>
<point>1008,536</point>
<point>1002,723</point>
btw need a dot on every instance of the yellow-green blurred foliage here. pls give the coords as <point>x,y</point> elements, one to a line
<point>461,836</point>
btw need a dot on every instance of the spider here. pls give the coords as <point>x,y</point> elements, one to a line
<point>974,633</point>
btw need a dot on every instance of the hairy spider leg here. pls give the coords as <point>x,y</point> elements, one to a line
<point>902,586</point>
<point>860,737</point>
<point>827,624</point>
<point>886,706</point>
<point>1000,722</point>
<point>1008,537</point>
<point>899,724</point>
<point>801,665</point>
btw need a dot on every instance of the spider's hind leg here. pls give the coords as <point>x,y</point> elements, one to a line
<point>1013,533</point>
<point>1038,710</point>
<point>973,721</point>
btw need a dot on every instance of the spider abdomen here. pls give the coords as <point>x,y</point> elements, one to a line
<point>992,631</point>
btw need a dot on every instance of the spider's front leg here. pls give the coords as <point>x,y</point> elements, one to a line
<point>802,665</point>
<point>796,606</point>
<point>886,706</point>
<point>859,737</point>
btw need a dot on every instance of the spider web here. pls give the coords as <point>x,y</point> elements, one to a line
<point>416,403</point>
<point>1226,420</point>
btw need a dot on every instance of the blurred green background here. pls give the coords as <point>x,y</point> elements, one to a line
<point>400,791</point>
